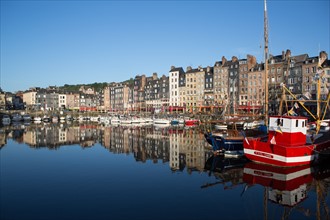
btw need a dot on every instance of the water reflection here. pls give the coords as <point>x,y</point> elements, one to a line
<point>287,192</point>
<point>228,171</point>
<point>286,188</point>
<point>182,147</point>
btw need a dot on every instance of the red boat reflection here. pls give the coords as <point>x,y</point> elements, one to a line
<point>287,186</point>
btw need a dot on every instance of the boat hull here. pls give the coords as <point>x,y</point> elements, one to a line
<point>261,151</point>
<point>162,121</point>
<point>191,122</point>
<point>228,145</point>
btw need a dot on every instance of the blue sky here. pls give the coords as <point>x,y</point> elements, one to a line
<point>48,43</point>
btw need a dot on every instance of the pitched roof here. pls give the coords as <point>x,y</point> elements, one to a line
<point>300,58</point>
<point>179,69</point>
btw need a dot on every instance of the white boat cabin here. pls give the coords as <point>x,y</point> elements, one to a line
<point>288,130</point>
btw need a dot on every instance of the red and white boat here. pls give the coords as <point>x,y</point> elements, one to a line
<point>290,141</point>
<point>287,143</point>
<point>190,122</point>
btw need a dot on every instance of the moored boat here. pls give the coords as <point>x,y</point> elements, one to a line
<point>46,118</point>
<point>163,121</point>
<point>221,126</point>
<point>6,120</point>
<point>115,121</point>
<point>26,117</point>
<point>37,119</point>
<point>125,121</point>
<point>229,143</point>
<point>190,122</point>
<point>174,122</point>
<point>289,141</point>
<point>17,117</point>
<point>149,120</point>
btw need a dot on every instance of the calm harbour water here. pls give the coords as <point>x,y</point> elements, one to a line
<point>96,172</point>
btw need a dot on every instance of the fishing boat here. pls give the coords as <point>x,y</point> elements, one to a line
<point>226,142</point>
<point>230,142</point>
<point>289,142</point>
<point>191,122</point>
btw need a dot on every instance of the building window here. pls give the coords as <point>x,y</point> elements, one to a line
<point>314,69</point>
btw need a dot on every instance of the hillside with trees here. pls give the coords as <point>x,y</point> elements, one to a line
<point>98,87</point>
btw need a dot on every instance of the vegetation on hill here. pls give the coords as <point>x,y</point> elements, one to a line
<point>96,86</point>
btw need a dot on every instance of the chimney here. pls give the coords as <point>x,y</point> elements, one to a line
<point>188,68</point>
<point>224,60</point>
<point>154,76</point>
<point>251,61</point>
<point>287,54</point>
<point>234,59</point>
<point>323,56</point>
<point>172,67</point>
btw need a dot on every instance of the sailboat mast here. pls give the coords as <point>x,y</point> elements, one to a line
<point>266,60</point>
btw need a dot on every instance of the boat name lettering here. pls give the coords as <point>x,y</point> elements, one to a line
<point>263,154</point>
<point>260,173</point>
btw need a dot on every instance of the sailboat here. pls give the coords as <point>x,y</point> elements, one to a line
<point>289,141</point>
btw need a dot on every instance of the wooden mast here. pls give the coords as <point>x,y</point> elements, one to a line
<point>319,74</point>
<point>266,93</point>
<point>266,61</point>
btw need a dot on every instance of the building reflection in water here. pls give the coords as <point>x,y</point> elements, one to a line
<point>182,147</point>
